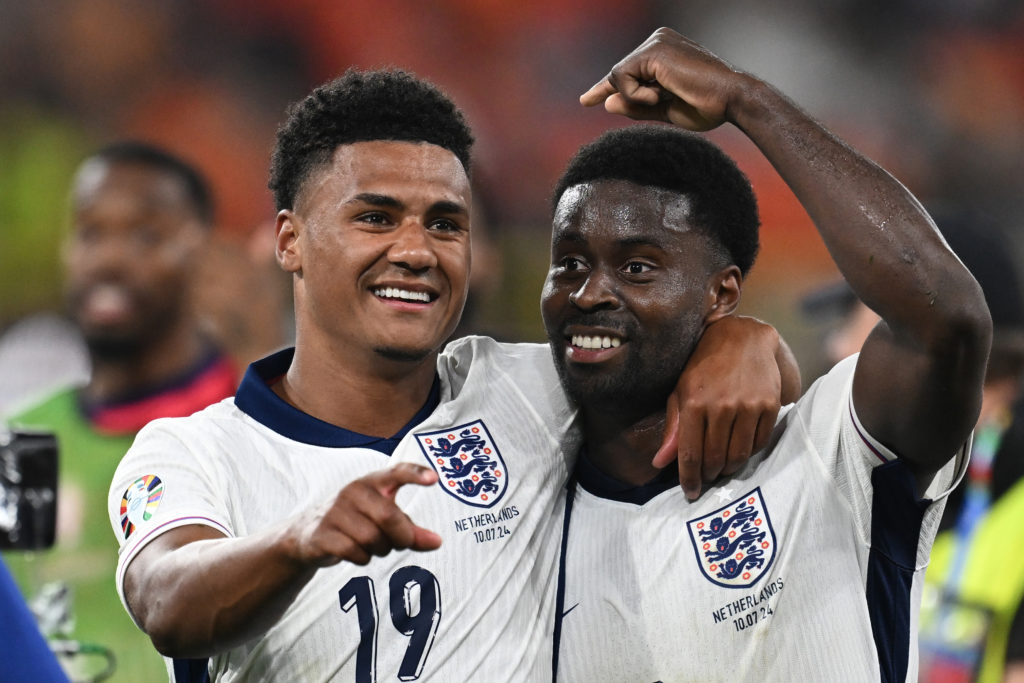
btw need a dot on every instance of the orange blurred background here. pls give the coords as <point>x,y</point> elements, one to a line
<point>932,89</point>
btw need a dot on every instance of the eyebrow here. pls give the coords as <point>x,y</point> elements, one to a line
<point>636,241</point>
<point>446,206</point>
<point>641,241</point>
<point>387,201</point>
<point>376,200</point>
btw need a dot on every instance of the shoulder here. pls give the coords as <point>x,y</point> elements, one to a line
<point>528,365</point>
<point>838,381</point>
<point>214,423</point>
<point>464,352</point>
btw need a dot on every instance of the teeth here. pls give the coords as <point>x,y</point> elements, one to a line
<point>403,294</point>
<point>595,342</point>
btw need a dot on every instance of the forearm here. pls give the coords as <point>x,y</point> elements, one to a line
<point>197,593</point>
<point>209,595</point>
<point>918,381</point>
<point>876,231</point>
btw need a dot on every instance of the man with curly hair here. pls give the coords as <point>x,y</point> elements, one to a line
<point>807,563</point>
<point>274,532</point>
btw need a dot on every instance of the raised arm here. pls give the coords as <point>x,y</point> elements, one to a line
<point>918,382</point>
<point>197,593</point>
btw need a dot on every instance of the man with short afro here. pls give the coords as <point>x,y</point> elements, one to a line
<point>357,107</point>
<point>723,204</point>
<point>805,562</point>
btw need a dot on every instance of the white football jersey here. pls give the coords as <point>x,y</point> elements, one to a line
<point>804,566</point>
<point>481,608</point>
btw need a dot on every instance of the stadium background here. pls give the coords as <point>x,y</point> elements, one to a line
<point>932,89</point>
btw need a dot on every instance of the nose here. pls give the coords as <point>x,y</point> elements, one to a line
<point>100,256</point>
<point>412,248</point>
<point>596,292</point>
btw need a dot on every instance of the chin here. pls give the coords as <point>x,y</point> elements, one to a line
<point>407,355</point>
<point>114,347</point>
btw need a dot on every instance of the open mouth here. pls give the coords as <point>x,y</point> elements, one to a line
<point>595,342</point>
<point>406,295</point>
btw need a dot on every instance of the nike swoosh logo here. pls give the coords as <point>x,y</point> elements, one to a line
<point>570,609</point>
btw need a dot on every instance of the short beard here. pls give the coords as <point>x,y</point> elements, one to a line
<point>115,350</point>
<point>403,355</point>
<point>624,393</point>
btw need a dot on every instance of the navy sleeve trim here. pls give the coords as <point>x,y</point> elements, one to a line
<point>191,671</point>
<point>896,518</point>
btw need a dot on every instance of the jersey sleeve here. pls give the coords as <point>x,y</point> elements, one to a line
<point>162,484</point>
<point>850,454</point>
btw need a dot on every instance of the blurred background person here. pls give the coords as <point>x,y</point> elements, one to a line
<point>934,91</point>
<point>972,614</point>
<point>140,222</point>
<point>975,581</point>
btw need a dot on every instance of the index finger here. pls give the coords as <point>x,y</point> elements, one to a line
<point>598,93</point>
<point>669,448</point>
<point>390,480</point>
<point>691,451</point>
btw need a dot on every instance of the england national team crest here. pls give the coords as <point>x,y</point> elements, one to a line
<point>468,463</point>
<point>735,544</point>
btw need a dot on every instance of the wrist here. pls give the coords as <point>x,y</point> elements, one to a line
<point>752,100</point>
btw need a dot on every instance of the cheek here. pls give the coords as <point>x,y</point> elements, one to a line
<point>456,262</point>
<point>170,266</point>
<point>552,297</point>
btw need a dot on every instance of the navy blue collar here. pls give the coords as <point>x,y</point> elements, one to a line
<point>601,485</point>
<point>256,399</point>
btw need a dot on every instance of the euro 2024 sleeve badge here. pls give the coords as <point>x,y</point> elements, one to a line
<point>139,502</point>
<point>735,544</point>
<point>468,463</point>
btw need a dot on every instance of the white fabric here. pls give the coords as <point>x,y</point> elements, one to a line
<point>495,572</point>
<point>638,606</point>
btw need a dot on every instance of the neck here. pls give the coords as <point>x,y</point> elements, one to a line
<point>172,356</point>
<point>622,446</point>
<point>375,398</point>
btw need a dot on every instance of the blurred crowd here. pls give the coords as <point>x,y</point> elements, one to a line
<point>932,89</point>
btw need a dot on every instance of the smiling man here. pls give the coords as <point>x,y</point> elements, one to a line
<point>140,220</point>
<point>274,533</point>
<point>806,564</point>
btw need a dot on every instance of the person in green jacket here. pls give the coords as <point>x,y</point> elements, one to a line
<point>975,583</point>
<point>140,218</point>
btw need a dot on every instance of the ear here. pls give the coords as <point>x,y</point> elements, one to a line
<point>724,287</point>
<point>287,246</point>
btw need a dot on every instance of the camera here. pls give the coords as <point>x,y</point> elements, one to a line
<point>28,490</point>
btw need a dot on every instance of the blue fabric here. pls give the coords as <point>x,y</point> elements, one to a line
<point>191,671</point>
<point>896,517</point>
<point>24,654</point>
<point>570,496</point>
<point>256,399</point>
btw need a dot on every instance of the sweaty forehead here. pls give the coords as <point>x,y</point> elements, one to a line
<point>389,167</point>
<point>623,207</point>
